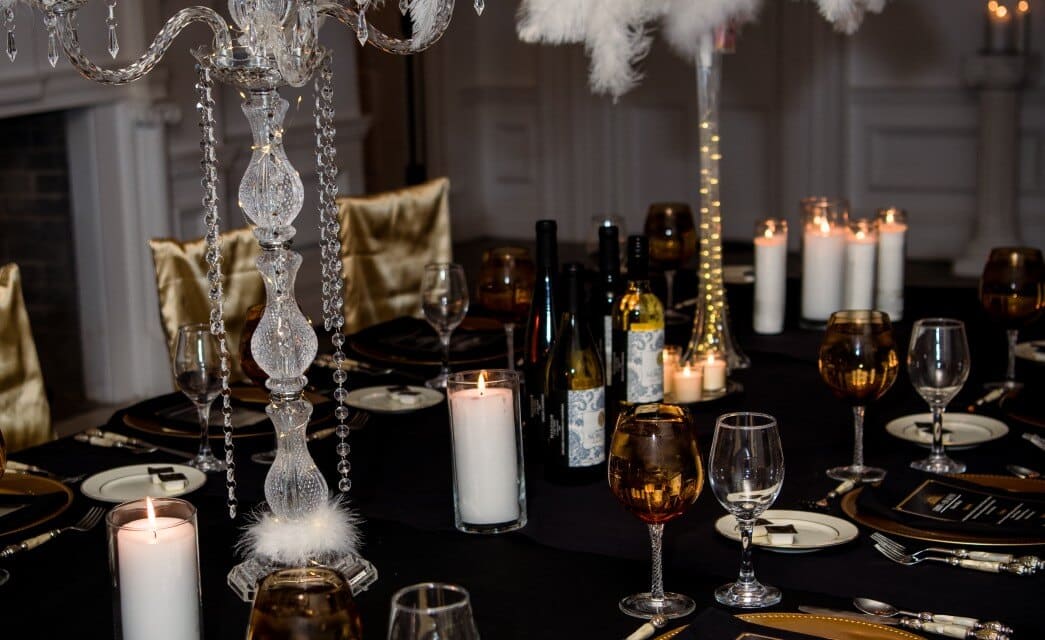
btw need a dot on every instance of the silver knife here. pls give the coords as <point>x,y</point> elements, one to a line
<point>939,628</point>
<point>850,615</point>
<point>1035,440</point>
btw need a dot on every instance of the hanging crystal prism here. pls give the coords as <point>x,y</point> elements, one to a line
<point>110,21</point>
<point>404,6</point>
<point>479,6</point>
<point>12,48</point>
<point>52,40</point>
<point>362,30</point>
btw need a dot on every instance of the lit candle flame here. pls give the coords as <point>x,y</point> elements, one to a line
<point>711,358</point>
<point>482,382</point>
<point>1023,6</point>
<point>686,371</point>
<point>151,513</point>
<point>768,232</point>
<point>1002,11</point>
<point>825,226</point>
<point>992,6</point>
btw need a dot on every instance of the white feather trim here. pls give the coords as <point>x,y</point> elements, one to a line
<point>687,21</point>
<point>423,15</point>
<point>553,21</point>
<point>845,15</point>
<point>329,533</point>
<point>618,39</point>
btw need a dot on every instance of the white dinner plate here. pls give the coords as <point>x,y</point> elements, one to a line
<point>960,430</point>
<point>738,274</point>
<point>1034,350</point>
<point>382,400</point>
<point>124,484</point>
<point>815,530</point>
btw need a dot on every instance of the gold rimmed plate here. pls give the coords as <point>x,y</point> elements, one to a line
<point>818,626</point>
<point>851,508</point>
<point>47,500</point>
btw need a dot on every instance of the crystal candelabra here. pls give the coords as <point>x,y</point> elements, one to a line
<point>269,45</point>
<point>711,335</point>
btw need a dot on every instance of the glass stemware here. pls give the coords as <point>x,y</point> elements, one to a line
<point>938,365</point>
<point>444,301</point>
<point>313,602</point>
<point>1012,291</point>
<point>656,473</point>
<point>197,370</point>
<point>432,610</point>
<point>505,289</point>
<point>858,361</point>
<point>746,472</point>
<point>672,241</point>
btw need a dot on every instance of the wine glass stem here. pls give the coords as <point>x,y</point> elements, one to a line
<point>669,282</point>
<point>444,340</point>
<point>509,336</point>
<point>1010,368</point>
<point>656,537</point>
<point>203,410</point>
<point>937,449</point>
<point>858,436</point>
<point>747,567</point>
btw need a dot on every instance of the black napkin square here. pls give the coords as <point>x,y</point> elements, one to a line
<point>714,624</point>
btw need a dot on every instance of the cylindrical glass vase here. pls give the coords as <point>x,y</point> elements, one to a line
<point>154,560</point>
<point>486,434</point>
<point>824,227</point>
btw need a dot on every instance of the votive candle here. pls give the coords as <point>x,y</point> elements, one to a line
<point>861,247</point>
<point>672,354</point>
<point>770,275</point>
<point>688,384</point>
<point>714,373</point>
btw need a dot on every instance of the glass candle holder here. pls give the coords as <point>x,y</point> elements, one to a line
<point>824,228</point>
<point>155,566</point>
<point>891,225</point>
<point>672,358</point>
<point>486,435</point>
<point>304,602</point>
<point>861,249</point>
<point>770,275</point>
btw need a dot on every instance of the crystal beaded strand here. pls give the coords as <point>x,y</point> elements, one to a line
<point>205,105</point>
<point>9,19</point>
<point>52,39</point>
<point>110,21</point>
<point>330,249</point>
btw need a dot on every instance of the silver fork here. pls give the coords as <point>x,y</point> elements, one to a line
<point>86,523</point>
<point>1032,562</point>
<point>966,563</point>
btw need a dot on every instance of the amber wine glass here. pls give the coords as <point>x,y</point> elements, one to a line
<point>313,602</point>
<point>1012,290</point>
<point>656,473</point>
<point>672,241</point>
<point>858,361</point>
<point>505,289</point>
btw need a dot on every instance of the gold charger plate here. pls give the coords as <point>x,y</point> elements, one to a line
<point>875,521</point>
<point>819,626</point>
<point>27,484</point>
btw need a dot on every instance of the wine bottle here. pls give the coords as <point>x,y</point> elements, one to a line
<point>575,394</point>
<point>638,335</point>
<point>605,296</point>
<point>540,328</point>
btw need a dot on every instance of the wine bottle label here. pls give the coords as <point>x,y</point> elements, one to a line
<point>645,368</point>
<point>586,420</point>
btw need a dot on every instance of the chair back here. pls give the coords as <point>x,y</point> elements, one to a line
<point>182,285</point>
<point>386,240</point>
<point>25,416</point>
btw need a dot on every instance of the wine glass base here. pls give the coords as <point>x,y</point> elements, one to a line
<point>438,382</point>
<point>265,457</point>
<point>207,463</point>
<point>943,464</point>
<point>857,473</point>
<point>750,596</point>
<point>4,576</point>
<point>645,606</point>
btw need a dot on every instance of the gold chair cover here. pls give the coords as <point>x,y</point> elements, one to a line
<point>25,416</point>
<point>386,240</point>
<point>181,282</point>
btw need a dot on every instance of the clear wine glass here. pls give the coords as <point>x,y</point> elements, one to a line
<point>673,241</point>
<point>506,288</point>
<point>197,370</point>
<point>1012,291</point>
<point>746,472</point>
<point>938,365</point>
<point>656,473</point>
<point>432,610</point>
<point>444,301</point>
<point>857,359</point>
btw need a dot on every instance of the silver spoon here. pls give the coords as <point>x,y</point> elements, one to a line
<point>1022,472</point>
<point>878,608</point>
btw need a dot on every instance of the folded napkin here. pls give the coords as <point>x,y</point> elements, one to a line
<point>714,624</point>
<point>947,503</point>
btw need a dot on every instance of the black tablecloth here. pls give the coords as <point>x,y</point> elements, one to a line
<point>562,575</point>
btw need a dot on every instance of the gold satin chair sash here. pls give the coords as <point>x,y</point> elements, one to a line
<point>25,416</point>
<point>386,239</point>
<point>181,282</point>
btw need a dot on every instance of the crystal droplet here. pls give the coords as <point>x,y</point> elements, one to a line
<point>12,49</point>
<point>362,31</point>
<point>404,6</point>
<point>52,49</point>
<point>479,6</point>
<point>114,43</point>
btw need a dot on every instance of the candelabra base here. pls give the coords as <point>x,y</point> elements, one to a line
<point>245,577</point>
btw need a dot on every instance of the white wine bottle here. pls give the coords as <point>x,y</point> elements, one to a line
<point>638,335</point>
<point>575,427</point>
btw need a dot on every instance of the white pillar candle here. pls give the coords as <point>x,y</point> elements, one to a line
<point>892,237</point>
<point>770,275</point>
<point>823,269</point>
<point>860,248</point>
<point>998,29</point>
<point>714,373</point>
<point>485,456</point>
<point>671,364</point>
<point>158,579</point>
<point>1021,27</point>
<point>688,384</point>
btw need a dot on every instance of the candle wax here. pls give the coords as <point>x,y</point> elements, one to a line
<point>485,455</point>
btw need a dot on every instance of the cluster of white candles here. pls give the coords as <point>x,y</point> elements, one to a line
<point>686,382</point>
<point>1007,27</point>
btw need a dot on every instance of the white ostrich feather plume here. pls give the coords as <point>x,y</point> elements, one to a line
<point>846,15</point>
<point>687,21</point>
<point>330,532</point>
<point>423,19</point>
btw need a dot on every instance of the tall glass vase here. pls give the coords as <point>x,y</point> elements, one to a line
<point>711,338</point>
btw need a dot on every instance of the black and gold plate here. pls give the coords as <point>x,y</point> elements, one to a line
<point>44,500</point>
<point>818,626</point>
